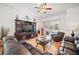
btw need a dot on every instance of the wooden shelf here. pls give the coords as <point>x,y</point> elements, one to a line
<point>25,29</point>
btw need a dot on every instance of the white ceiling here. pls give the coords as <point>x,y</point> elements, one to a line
<point>57,8</point>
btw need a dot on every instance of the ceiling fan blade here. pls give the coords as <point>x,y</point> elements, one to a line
<point>38,11</point>
<point>44,12</point>
<point>41,12</point>
<point>44,3</point>
<point>48,8</point>
<point>37,7</point>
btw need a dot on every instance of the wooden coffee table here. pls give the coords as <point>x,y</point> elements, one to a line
<point>42,43</point>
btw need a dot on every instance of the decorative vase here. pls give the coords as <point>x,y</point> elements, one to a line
<point>72,34</point>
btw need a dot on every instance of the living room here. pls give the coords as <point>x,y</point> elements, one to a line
<point>43,27</point>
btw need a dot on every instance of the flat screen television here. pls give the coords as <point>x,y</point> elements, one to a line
<point>28,27</point>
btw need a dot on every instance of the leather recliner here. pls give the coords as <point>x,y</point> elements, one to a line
<point>58,37</point>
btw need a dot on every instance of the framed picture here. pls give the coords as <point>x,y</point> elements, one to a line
<point>54,27</point>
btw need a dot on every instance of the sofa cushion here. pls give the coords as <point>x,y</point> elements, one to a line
<point>70,39</point>
<point>33,50</point>
<point>70,52</point>
<point>71,47</point>
<point>69,43</point>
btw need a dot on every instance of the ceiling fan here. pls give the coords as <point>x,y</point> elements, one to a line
<point>43,8</point>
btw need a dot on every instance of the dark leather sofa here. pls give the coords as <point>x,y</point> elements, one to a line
<point>13,47</point>
<point>68,46</point>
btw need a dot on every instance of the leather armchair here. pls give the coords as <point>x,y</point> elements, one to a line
<point>58,37</point>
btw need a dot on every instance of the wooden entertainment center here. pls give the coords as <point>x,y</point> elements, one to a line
<point>25,29</point>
